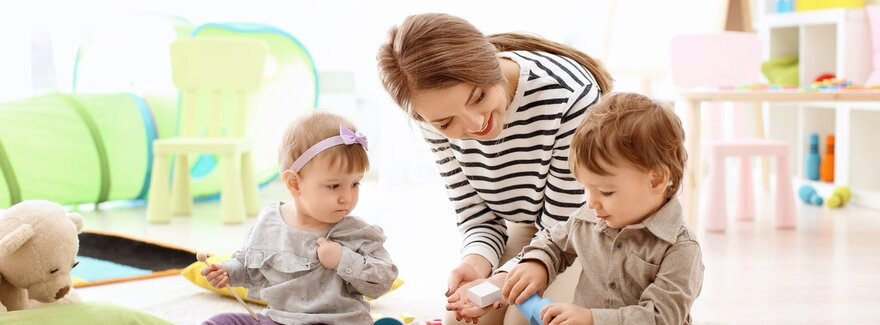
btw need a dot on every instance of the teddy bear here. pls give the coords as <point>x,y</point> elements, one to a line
<point>38,246</point>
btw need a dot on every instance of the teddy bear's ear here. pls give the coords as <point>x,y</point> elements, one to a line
<point>77,219</point>
<point>13,240</point>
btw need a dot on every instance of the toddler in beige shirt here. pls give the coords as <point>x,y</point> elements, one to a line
<point>641,263</point>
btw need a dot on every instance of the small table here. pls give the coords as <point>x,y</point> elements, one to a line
<point>693,99</point>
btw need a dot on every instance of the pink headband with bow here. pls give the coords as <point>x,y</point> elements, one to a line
<point>346,137</point>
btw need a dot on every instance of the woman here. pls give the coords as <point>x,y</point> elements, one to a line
<point>499,112</point>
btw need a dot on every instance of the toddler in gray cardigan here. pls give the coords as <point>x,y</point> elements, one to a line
<point>311,261</point>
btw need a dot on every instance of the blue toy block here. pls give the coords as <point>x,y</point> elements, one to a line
<point>531,308</point>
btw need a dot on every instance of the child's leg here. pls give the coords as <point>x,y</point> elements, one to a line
<point>238,319</point>
<point>518,236</point>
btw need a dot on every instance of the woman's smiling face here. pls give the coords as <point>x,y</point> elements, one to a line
<point>464,111</point>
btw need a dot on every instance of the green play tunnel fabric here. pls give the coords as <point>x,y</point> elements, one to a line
<point>75,148</point>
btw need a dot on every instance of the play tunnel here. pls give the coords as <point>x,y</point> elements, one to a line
<point>92,148</point>
<point>75,148</point>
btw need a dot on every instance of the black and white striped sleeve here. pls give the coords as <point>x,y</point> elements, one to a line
<point>483,232</point>
<point>564,194</point>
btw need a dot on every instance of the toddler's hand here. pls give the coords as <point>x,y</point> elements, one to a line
<point>216,275</point>
<point>329,253</point>
<point>560,313</point>
<point>526,279</point>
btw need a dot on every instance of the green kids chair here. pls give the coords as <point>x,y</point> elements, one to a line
<point>215,77</point>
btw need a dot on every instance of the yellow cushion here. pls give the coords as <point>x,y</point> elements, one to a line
<point>192,274</point>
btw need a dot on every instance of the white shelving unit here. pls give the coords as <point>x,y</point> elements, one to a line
<point>835,41</point>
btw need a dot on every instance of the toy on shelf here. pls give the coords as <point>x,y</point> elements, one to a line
<point>809,195</point>
<point>484,294</point>
<point>805,5</point>
<point>826,171</point>
<point>839,197</point>
<point>813,160</point>
<point>833,84</point>
<point>531,308</point>
<point>825,76</point>
<point>784,6</point>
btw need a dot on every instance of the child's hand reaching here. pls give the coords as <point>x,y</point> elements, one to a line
<point>561,314</point>
<point>329,253</point>
<point>216,275</point>
<point>526,279</point>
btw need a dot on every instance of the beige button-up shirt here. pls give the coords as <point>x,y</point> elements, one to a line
<point>646,273</point>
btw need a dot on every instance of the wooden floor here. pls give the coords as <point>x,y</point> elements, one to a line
<point>826,271</point>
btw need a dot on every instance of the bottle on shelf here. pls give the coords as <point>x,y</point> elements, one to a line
<point>812,168</point>
<point>827,170</point>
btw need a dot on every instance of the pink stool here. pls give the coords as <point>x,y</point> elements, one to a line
<point>716,207</point>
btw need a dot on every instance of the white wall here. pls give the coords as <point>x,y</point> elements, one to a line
<point>343,37</point>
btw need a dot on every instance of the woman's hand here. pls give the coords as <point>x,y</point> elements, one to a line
<point>472,267</point>
<point>466,310</point>
<point>566,314</point>
<point>329,253</point>
<point>526,279</point>
<point>216,275</point>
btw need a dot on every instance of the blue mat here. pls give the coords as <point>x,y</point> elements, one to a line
<point>92,269</point>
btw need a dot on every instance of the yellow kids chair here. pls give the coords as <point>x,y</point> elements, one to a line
<point>215,77</point>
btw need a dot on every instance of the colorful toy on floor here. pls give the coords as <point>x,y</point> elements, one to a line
<point>813,161</point>
<point>405,318</point>
<point>484,294</point>
<point>809,195</point>
<point>532,307</point>
<point>38,246</point>
<point>839,197</point>
<point>826,169</point>
<point>388,321</point>
<point>434,322</point>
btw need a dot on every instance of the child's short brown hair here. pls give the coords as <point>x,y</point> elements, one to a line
<point>305,132</point>
<point>633,128</point>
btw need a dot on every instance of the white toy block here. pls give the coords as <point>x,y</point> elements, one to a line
<point>484,294</point>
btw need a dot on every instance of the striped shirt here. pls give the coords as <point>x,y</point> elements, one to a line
<point>523,175</point>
